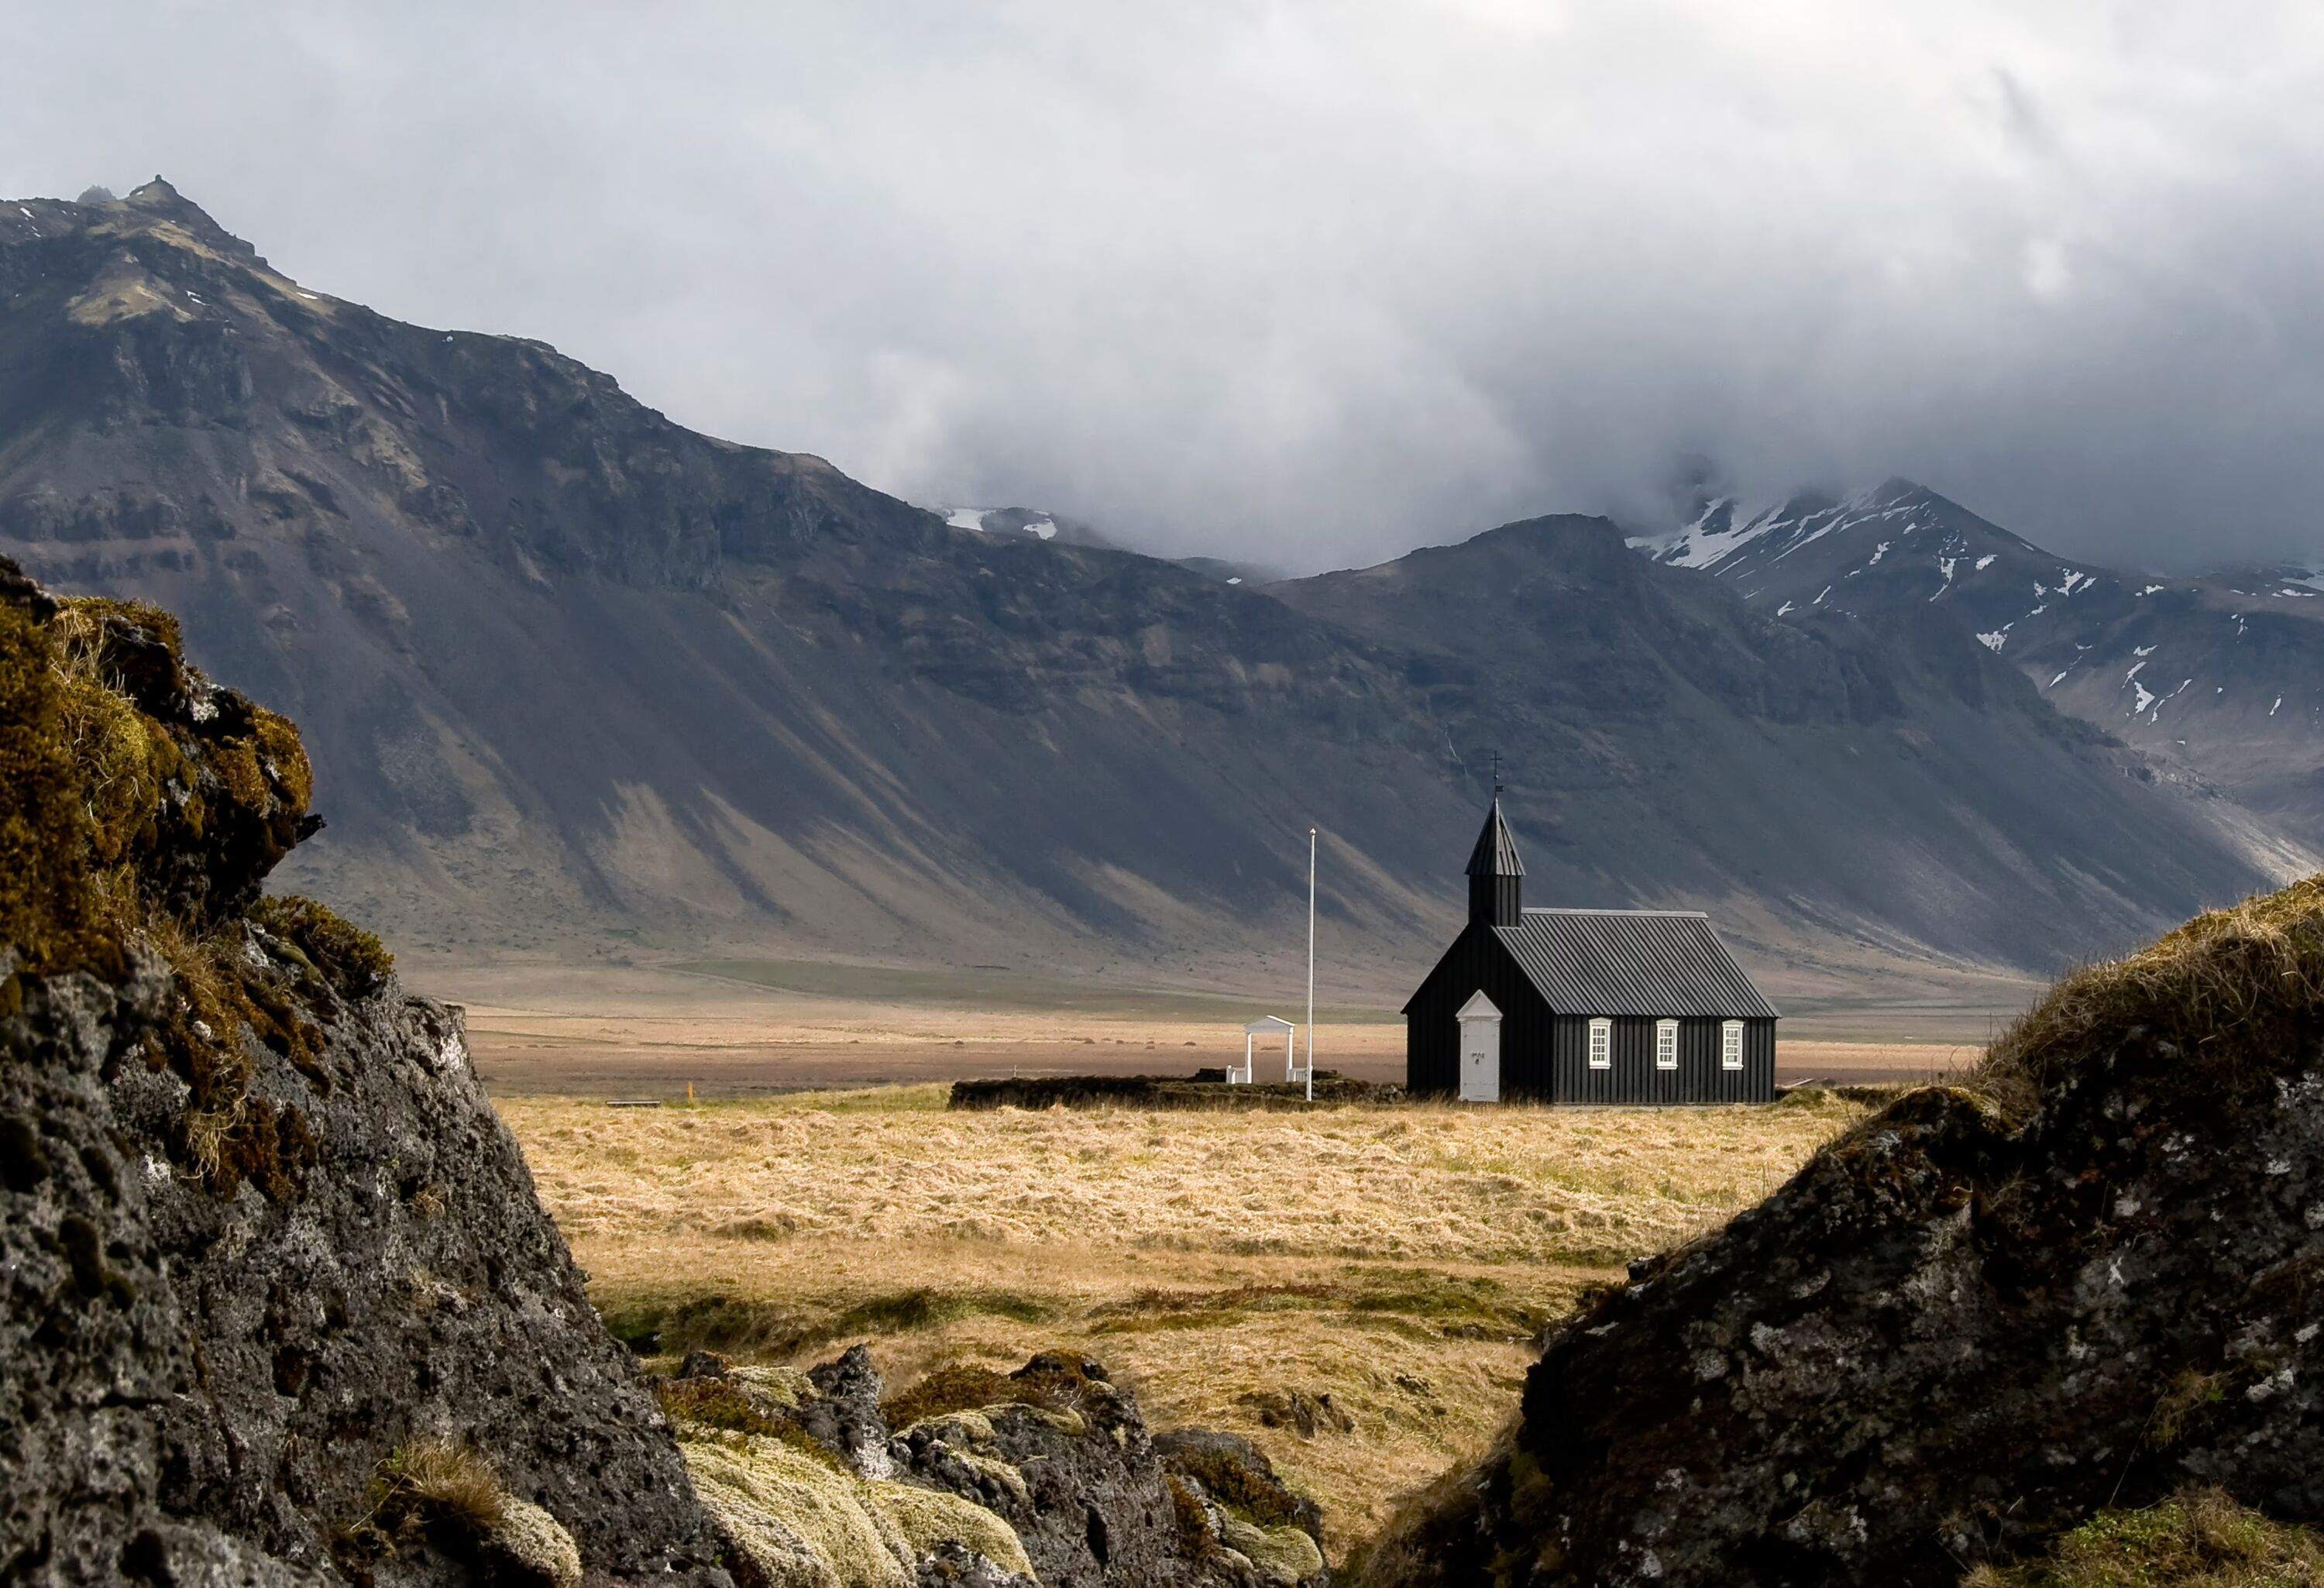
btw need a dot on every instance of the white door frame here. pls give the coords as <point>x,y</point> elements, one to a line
<point>1480,1050</point>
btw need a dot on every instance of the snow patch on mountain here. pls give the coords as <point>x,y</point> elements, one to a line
<point>976,518</point>
<point>1724,527</point>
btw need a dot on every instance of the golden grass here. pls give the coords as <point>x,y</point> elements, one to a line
<point>1400,1260</point>
<point>2232,988</point>
<point>447,1479</point>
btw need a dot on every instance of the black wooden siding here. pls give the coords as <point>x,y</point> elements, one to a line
<point>1545,1056</point>
<point>1432,1033</point>
<point>1633,1077</point>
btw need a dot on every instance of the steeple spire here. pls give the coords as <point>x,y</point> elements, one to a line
<point>1496,874</point>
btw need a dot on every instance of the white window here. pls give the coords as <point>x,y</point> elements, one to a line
<point>1601,1044</point>
<point>1665,1045</point>
<point>1730,1045</point>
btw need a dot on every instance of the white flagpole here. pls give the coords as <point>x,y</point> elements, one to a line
<point>1311,964</point>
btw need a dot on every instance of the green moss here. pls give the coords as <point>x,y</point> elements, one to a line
<point>1049,1382</point>
<point>1285,1555</point>
<point>793,1519</point>
<point>715,1403</point>
<point>759,1328</point>
<point>354,961</point>
<point>44,828</point>
<point>1237,1486</point>
<point>955,1387</point>
<point>2182,1403</point>
<point>120,780</point>
<point>726,1406</point>
<point>1186,1509</point>
<point>229,1135</point>
<point>155,627</point>
<point>110,783</point>
<point>2198,1538</point>
<point>283,756</point>
<point>1530,1489</point>
<point>926,1518</point>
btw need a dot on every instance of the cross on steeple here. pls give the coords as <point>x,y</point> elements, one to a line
<point>1497,775</point>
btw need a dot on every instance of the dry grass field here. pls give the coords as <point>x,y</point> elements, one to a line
<point>1356,1289</point>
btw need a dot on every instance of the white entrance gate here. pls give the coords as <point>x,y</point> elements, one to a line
<point>1267,1025</point>
<point>1480,1050</point>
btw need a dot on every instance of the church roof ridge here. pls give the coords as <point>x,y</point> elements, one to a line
<point>1696,915</point>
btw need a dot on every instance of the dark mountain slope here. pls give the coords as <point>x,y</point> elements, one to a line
<point>570,661</point>
<point>1680,743</point>
<point>569,669</point>
<point>2216,678</point>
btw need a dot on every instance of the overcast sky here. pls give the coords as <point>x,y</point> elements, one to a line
<point>1314,283</point>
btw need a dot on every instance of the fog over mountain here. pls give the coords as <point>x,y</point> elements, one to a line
<point>1314,284</point>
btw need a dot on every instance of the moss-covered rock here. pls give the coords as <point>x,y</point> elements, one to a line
<point>927,1518</point>
<point>1053,1477</point>
<point>1283,1556</point>
<point>531,1546</point>
<point>353,961</point>
<point>150,790</point>
<point>794,1518</point>
<point>2083,1278</point>
<point>281,1306</point>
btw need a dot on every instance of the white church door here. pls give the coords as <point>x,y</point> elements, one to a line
<point>1480,1050</point>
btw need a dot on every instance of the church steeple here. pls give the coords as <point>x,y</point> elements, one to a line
<point>1496,874</point>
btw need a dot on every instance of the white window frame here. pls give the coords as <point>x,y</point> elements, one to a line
<point>1665,1045</point>
<point>1730,1045</point>
<point>1601,1043</point>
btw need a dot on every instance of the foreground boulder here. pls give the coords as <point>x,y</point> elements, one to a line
<point>2088,1278</point>
<point>1046,1474</point>
<point>277,1302</point>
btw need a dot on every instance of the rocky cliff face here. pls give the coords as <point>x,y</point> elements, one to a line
<point>275,1275</point>
<point>2087,1279</point>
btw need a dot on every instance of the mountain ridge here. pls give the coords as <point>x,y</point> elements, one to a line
<point>2130,652</point>
<point>575,675</point>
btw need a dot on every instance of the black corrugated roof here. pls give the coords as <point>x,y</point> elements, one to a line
<point>1496,853</point>
<point>1665,963</point>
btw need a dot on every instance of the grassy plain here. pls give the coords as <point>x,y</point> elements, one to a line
<point>1358,1288</point>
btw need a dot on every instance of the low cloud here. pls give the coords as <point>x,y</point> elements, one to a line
<point>1316,283</point>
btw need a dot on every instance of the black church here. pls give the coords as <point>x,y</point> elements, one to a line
<point>1583,1006</point>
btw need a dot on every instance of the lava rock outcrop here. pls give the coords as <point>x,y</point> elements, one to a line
<point>1046,1474</point>
<point>277,1302</point>
<point>2086,1277</point>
